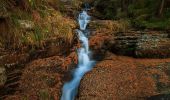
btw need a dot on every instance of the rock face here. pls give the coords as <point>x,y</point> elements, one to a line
<point>3,76</point>
<point>123,78</point>
<point>153,45</point>
<point>12,59</point>
<point>142,44</point>
<point>100,44</point>
<point>125,43</point>
<point>148,44</point>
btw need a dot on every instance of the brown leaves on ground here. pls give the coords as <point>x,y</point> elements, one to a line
<point>43,78</point>
<point>124,78</point>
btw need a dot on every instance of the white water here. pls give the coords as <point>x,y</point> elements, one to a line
<point>70,89</point>
<point>83,19</point>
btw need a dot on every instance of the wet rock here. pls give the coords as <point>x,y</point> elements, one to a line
<point>125,43</point>
<point>3,76</point>
<point>122,43</point>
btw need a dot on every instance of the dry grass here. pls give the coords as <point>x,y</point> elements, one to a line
<point>53,26</point>
<point>60,26</point>
<point>120,25</point>
<point>110,26</point>
<point>117,25</point>
<point>77,3</point>
<point>49,24</point>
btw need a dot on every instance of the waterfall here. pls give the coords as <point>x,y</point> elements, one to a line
<point>70,89</point>
<point>83,20</point>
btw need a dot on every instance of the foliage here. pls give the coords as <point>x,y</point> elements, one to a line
<point>60,26</point>
<point>76,3</point>
<point>142,13</point>
<point>109,6</point>
<point>49,23</point>
<point>163,24</point>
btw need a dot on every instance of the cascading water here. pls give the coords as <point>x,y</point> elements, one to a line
<point>70,89</point>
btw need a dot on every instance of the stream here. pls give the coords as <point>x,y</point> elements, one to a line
<point>85,64</point>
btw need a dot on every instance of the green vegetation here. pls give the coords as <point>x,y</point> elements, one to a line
<point>149,14</point>
<point>30,23</point>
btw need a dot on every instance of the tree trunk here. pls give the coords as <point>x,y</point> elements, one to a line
<point>161,8</point>
<point>124,6</point>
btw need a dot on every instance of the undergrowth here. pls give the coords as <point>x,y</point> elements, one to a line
<point>48,23</point>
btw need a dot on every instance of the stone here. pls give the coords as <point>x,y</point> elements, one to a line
<point>125,78</point>
<point>26,24</point>
<point>125,43</point>
<point>100,44</point>
<point>148,44</point>
<point>153,46</point>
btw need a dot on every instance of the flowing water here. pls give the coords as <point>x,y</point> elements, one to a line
<point>70,89</point>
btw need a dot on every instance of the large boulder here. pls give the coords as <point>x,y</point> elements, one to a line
<point>44,78</point>
<point>124,78</point>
